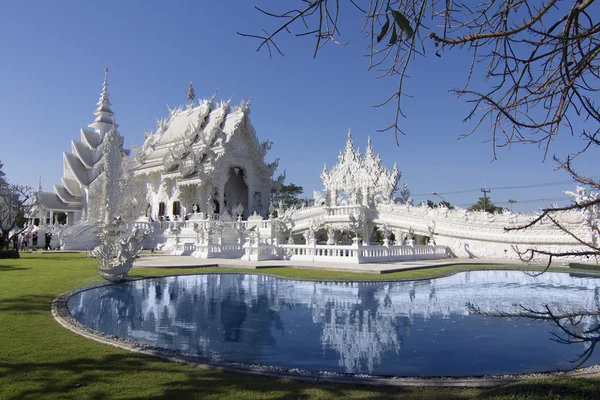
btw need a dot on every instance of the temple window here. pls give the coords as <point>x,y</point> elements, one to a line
<point>176,208</point>
<point>61,218</point>
<point>161,209</point>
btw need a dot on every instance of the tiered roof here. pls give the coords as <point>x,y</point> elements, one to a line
<point>82,166</point>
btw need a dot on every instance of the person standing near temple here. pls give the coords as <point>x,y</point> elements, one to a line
<point>48,238</point>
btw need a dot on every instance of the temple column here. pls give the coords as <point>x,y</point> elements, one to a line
<point>250,200</point>
<point>221,198</point>
<point>202,196</point>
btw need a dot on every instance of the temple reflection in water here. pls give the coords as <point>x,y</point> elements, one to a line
<point>345,327</point>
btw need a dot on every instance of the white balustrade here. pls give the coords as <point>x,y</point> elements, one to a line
<point>362,253</point>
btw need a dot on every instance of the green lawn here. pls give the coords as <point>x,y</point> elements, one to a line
<point>40,359</point>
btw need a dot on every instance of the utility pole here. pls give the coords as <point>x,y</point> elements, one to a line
<point>485,192</point>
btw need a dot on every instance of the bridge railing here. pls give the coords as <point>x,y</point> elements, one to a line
<point>345,210</point>
<point>356,253</point>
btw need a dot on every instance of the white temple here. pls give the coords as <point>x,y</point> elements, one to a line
<point>205,159</point>
<point>208,188</point>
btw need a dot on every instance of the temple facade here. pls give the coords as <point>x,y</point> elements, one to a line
<point>205,158</point>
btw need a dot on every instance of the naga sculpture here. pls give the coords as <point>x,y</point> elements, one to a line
<point>117,250</point>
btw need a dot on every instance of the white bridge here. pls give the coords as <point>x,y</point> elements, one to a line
<point>357,234</point>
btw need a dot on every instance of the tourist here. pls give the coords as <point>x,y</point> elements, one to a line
<point>48,238</point>
<point>23,241</point>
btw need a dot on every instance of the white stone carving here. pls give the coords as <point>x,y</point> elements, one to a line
<point>117,249</point>
<point>359,180</point>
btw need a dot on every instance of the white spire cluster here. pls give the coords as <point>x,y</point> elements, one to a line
<point>363,179</point>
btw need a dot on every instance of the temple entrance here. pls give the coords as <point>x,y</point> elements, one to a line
<point>236,191</point>
<point>60,218</point>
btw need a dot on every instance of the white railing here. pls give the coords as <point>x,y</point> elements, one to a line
<point>344,210</point>
<point>217,250</point>
<point>362,253</point>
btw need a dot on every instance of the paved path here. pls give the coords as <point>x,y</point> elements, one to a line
<point>168,261</point>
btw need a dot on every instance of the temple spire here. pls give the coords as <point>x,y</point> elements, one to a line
<point>39,187</point>
<point>104,114</point>
<point>104,100</point>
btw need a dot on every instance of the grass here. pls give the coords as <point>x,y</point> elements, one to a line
<point>40,359</point>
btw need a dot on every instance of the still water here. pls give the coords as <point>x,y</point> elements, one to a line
<point>415,328</point>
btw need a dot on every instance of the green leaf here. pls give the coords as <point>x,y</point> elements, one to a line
<point>394,37</point>
<point>403,23</point>
<point>384,30</point>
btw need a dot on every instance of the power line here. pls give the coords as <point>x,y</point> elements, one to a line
<point>539,200</point>
<point>533,185</point>
<point>447,193</point>
<point>525,201</point>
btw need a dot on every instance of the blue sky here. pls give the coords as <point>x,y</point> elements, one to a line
<point>54,53</point>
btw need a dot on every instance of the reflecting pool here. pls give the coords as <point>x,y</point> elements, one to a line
<point>414,328</point>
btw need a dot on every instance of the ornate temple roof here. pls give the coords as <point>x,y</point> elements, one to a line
<point>191,138</point>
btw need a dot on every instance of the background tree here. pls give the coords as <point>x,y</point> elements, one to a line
<point>16,202</point>
<point>432,204</point>
<point>539,62</point>
<point>485,204</point>
<point>287,195</point>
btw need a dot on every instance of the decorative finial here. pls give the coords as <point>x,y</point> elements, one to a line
<point>39,188</point>
<point>104,94</point>
<point>349,134</point>
<point>191,95</point>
